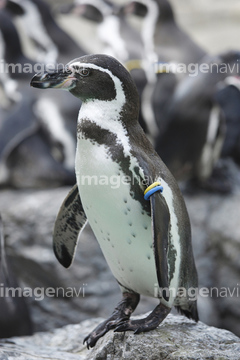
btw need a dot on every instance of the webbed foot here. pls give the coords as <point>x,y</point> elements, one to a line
<point>146,324</point>
<point>120,314</point>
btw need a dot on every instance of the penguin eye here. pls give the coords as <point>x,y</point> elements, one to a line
<point>83,72</point>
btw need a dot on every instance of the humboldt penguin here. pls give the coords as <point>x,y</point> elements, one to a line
<point>51,42</point>
<point>14,55</point>
<point>161,33</point>
<point>116,37</point>
<point>164,42</point>
<point>142,225</point>
<point>192,142</point>
<point>228,98</point>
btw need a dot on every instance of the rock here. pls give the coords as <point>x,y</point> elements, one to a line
<point>177,338</point>
<point>216,243</point>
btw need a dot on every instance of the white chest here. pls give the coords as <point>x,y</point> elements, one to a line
<point>121,226</point>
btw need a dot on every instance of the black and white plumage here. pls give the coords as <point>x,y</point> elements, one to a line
<point>147,244</point>
<point>13,53</point>
<point>164,42</point>
<point>163,38</point>
<point>49,43</point>
<point>228,98</point>
<point>198,121</point>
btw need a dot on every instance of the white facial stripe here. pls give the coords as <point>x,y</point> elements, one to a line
<point>148,28</point>
<point>109,33</point>
<point>93,66</point>
<point>36,31</point>
<point>105,113</point>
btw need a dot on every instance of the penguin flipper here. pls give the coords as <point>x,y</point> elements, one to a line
<point>160,229</point>
<point>70,222</point>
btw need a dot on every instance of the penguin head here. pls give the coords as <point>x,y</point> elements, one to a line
<point>92,77</point>
<point>141,8</point>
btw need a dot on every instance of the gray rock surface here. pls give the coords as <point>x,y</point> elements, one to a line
<point>177,338</point>
<point>216,243</point>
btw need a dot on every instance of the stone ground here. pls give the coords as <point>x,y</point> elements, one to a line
<point>176,339</point>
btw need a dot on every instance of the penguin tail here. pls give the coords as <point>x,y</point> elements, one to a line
<point>191,313</point>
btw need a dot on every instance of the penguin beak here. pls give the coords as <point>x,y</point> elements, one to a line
<point>62,79</point>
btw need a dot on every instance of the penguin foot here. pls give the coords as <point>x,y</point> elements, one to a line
<point>120,314</point>
<point>146,324</point>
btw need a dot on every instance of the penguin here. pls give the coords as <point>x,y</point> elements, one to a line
<point>228,98</point>
<point>118,38</point>
<point>32,25</point>
<point>161,33</point>
<point>191,143</point>
<point>52,41</point>
<point>121,40</point>
<point>15,317</point>
<point>141,224</point>
<point>164,42</point>
<point>65,43</point>
<point>14,55</point>
<point>34,154</point>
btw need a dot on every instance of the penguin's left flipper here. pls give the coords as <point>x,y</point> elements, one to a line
<point>70,222</point>
<point>160,229</point>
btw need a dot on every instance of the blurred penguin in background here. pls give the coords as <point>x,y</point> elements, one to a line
<point>37,134</point>
<point>202,125</point>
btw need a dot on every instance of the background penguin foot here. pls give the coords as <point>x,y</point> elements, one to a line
<point>146,324</point>
<point>121,314</point>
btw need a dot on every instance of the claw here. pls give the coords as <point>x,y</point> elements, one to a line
<point>119,316</point>
<point>88,343</point>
